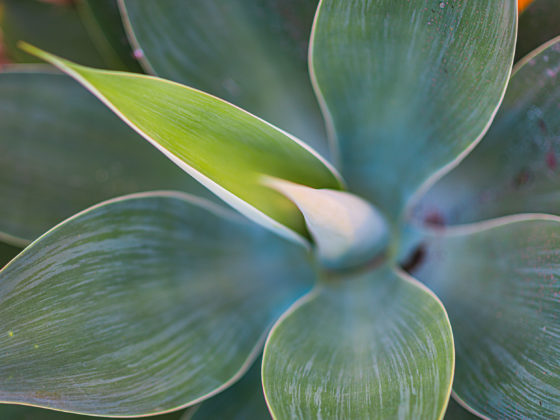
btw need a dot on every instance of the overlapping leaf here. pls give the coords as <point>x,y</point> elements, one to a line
<point>141,305</point>
<point>516,167</point>
<point>225,148</point>
<point>500,283</point>
<point>375,346</point>
<point>62,151</point>
<point>252,53</point>
<point>409,86</point>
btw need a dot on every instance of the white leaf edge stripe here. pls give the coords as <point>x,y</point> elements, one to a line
<point>439,173</point>
<point>238,204</point>
<point>196,201</point>
<point>312,294</point>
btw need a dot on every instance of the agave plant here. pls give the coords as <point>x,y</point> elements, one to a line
<point>371,249</point>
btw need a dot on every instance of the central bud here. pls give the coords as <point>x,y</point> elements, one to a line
<point>348,231</point>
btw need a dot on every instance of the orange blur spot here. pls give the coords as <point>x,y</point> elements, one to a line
<point>523,4</point>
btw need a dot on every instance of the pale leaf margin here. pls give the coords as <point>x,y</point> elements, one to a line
<point>238,204</point>
<point>197,201</point>
<point>312,294</point>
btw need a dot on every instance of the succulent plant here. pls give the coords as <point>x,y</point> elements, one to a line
<point>389,233</point>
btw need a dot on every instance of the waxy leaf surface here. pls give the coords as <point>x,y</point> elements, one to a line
<point>225,148</point>
<point>409,86</point>
<point>538,24</point>
<point>243,401</point>
<point>515,168</point>
<point>374,346</point>
<point>57,28</point>
<point>252,53</point>
<point>141,305</point>
<point>500,283</point>
<point>62,151</point>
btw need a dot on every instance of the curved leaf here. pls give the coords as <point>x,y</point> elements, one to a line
<point>243,401</point>
<point>141,305</point>
<point>515,168</point>
<point>103,21</point>
<point>539,23</point>
<point>409,86</point>
<point>500,283</point>
<point>62,151</point>
<point>225,148</point>
<point>23,412</point>
<point>56,27</point>
<point>375,346</point>
<point>252,53</point>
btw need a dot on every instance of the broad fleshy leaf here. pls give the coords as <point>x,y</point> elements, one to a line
<point>376,345</point>
<point>62,151</point>
<point>539,23</point>
<point>140,305</point>
<point>226,149</point>
<point>409,86</point>
<point>103,21</point>
<point>57,28</point>
<point>500,284</point>
<point>243,401</point>
<point>515,167</point>
<point>23,412</point>
<point>252,53</point>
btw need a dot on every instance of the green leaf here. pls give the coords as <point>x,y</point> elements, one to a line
<point>500,282</point>
<point>376,345</point>
<point>243,401</point>
<point>141,305</point>
<point>515,168</point>
<point>409,86</point>
<point>537,25</point>
<point>63,151</point>
<point>23,412</point>
<point>104,24</point>
<point>58,28</point>
<point>251,53</point>
<point>225,148</point>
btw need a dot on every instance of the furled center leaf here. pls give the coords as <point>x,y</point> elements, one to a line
<point>225,148</point>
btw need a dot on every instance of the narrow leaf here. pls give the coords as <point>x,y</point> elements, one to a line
<point>141,305</point>
<point>500,282</point>
<point>250,53</point>
<point>516,168</point>
<point>375,346</point>
<point>62,151</point>
<point>225,148</point>
<point>409,86</point>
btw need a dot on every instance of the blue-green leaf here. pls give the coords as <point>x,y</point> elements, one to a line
<point>374,345</point>
<point>252,53</point>
<point>225,148</point>
<point>500,283</point>
<point>516,167</point>
<point>141,305</point>
<point>63,151</point>
<point>409,86</point>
